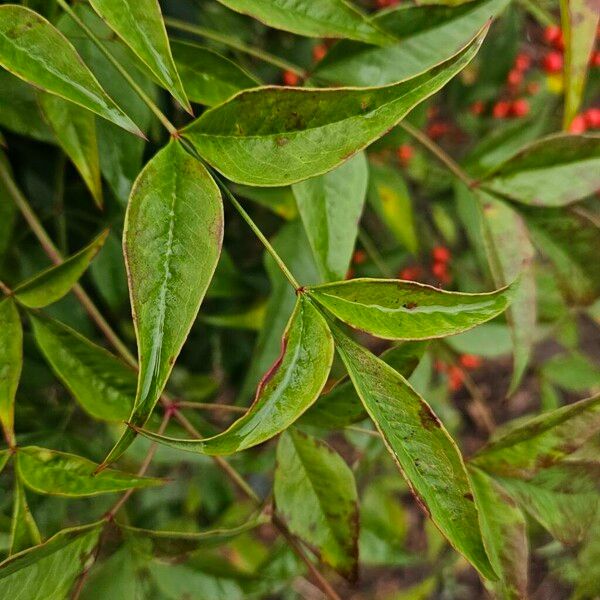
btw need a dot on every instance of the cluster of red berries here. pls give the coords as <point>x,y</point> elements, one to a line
<point>553,60</point>
<point>358,258</point>
<point>455,373</point>
<point>291,78</point>
<point>439,269</point>
<point>590,119</point>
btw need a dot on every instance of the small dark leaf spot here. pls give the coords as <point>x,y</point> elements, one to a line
<point>428,418</point>
<point>410,305</point>
<point>469,496</point>
<point>281,141</point>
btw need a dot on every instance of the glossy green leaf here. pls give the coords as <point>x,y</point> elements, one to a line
<point>341,406</point>
<point>140,25</point>
<point>330,207</point>
<point>404,310</point>
<point>34,50</point>
<point>58,473</point>
<point>102,384</point>
<point>554,171</point>
<point>24,532</point>
<point>504,536</point>
<point>389,197</point>
<point>208,77</point>
<point>510,255</point>
<point>52,284</point>
<point>172,241</point>
<point>314,18</point>
<point>579,19</point>
<point>275,136</point>
<point>48,571</point>
<point>11,360</point>
<point>541,441</point>
<point>421,447</point>
<point>315,493</point>
<point>286,390</point>
<point>75,130</point>
<point>426,36</point>
<point>570,241</point>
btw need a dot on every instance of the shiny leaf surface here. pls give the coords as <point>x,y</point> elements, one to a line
<point>32,49</point>
<point>315,493</point>
<point>286,390</point>
<point>52,284</point>
<point>275,136</point>
<point>421,447</point>
<point>58,473</point>
<point>404,310</point>
<point>11,359</point>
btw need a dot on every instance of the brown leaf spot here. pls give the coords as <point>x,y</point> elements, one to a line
<point>469,496</point>
<point>428,418</point>
<point>410,305</point>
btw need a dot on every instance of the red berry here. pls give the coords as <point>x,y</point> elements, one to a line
<point>515,77</point>
<point>553,62</point>
<point>477,107</point>
<point>519,108</point>
<point>411,273</point>
<point>290,78</point>
<point>501,109</point>
<point>359,257</point>
<point>522,62</point>
<point>319,51</point>
<point>441,254</point>
<point>405,153</point>
<point>578,125</point>
<point>386,3</point>
<point>470,361</point>
<point>592,118</point>
<point>595,59</point>
<point>440,270</point>
<point>455,378</point>
<point>553,36</point>
<point>437,129</point>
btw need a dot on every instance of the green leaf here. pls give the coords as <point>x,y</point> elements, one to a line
<point>23,530</point>
<point>573,372</point>
<point>541,441</point>
<point>330,207</point>
<point>11,360</point>
<point>140,25</point>
<point>48,571</point>
<point>100,382</point>
<point>579,21</point>
<point>569,240</point>
<point>404,310</point>
<point>315,493</point>
<point>8,209</point>
<point>51,285</point>
<point>208,77</point>
<point>511,255</point>
<point>75,130</point>
<point>554,171</point>
<point>287,389</point>
<point>313,18</point>
<point>389,197</point>
<point>426,36</point>
<point>422,448</point>
<point>34,50</point>
<point>278,199</point>
<point>504,536</point>
<point>172,241</point>
<point>275,136</point>
<point>60,474</point>
<point>341,406</point>
<point>4,458</point>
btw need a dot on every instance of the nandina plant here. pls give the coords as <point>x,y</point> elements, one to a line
<point>398,401</point>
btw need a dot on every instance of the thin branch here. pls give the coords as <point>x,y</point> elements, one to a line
<point>5,289</point>
<point>208,406</point>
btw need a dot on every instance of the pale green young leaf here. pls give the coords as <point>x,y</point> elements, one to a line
<point>48,571</point>
<point>34,50</point>
<point>208,77</point>
<point>58,473</point>
<point>510,255</point>
<point>313,18</point>
<point>541,441</point>
<point>287,389</point>
<point>51,285</point>
<point>425,36</point>
<point>421,447</point>
<point>554,171</point>
<point>140,25</point>
<point>504,536</point>
<point>24,532</point>
<point>579,20</point>
<point>75,130</point>
<point>172,241</point>
<point>274,136</point>
<point>102,384</point>
<point>11,361</point>
<point>330,206</point>
<point>404,310</point>
<point>315,493</point>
